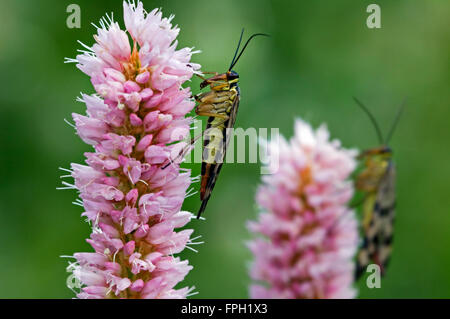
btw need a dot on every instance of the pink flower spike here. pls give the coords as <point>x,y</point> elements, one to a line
<point>307,233</point>
<point>132,204</point>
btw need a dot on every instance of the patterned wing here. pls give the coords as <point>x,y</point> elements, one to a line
<point>379,214</point>
<point>234,110</point>
<point>210,171</point>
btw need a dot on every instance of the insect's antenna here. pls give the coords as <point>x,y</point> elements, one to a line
<point>246,43</point>
<point>397,118</point>
<point>237,50</point>
<point>372,118</point>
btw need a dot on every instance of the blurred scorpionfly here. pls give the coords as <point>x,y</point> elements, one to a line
<point>377,182</point>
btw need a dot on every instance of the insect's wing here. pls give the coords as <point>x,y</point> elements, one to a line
<point>212,170</point>
<point>379,211</point>
<point>367,249</point>
<point>234,110</point>
<point>385,211</point>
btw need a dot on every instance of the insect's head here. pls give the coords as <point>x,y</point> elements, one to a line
<point>232,75</point>
<point>236,59</point>
<point>381,152</point>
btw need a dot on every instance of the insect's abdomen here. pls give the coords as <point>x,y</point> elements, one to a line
<point>214,140</point>
<point>213,151</point>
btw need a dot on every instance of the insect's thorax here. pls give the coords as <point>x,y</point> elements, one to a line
<point>219,100</point>
<point>375,167</point>
<point>221,82</point>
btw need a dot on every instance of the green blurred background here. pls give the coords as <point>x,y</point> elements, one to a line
<point>319,55</point>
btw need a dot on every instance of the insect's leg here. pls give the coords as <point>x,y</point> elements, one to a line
<point>220,86</point>
<point>218,78</point>
<point>183,152</point>
<point>205,79</point>
<point>200,97</point>
<point>201,77</point>
<point>209,72</point>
